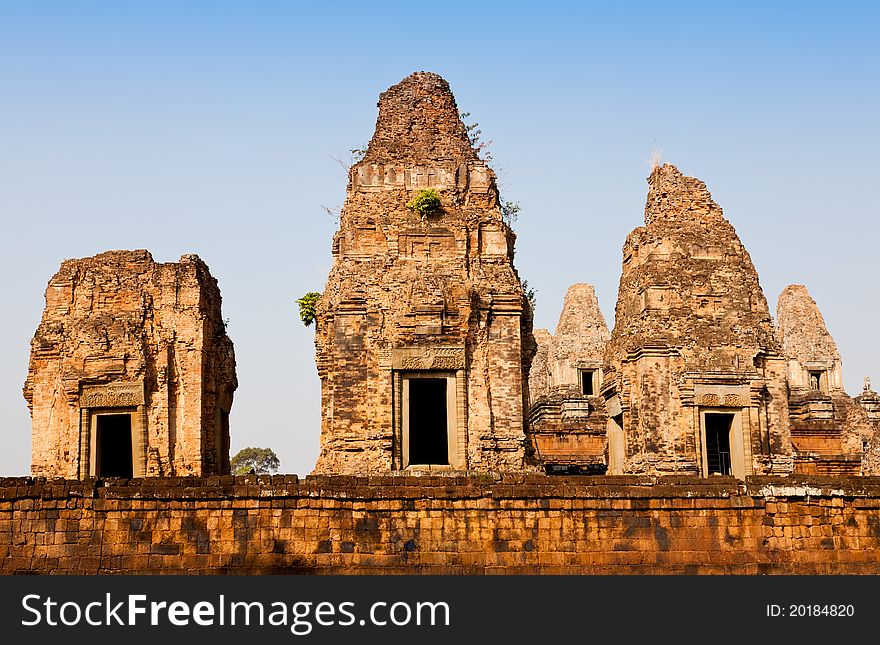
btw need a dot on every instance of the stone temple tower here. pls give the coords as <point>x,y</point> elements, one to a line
<point>567,420</point>
<point>131,371</point>
<point>424,337</point>
<point>829,430</point>
<point>695,379</point>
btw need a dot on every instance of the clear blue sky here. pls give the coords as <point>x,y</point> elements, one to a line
<point>210,127</point>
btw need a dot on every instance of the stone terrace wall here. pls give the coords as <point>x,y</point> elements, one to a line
<point>485,524</point>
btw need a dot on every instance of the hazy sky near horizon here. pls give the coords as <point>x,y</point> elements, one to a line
<point>212,127</point>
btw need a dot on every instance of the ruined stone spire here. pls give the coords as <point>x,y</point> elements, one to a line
<point>579,343</point>
<point>686,276</point>
<point>419,121</point>
<point>802,329</point>
<point>142,340</point>
<point>692,332</point>
<point>581,329</point>
<point>673,196</point>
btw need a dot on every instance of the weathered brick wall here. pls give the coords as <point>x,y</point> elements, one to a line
<point>124,334</point>
<point>484,524</point>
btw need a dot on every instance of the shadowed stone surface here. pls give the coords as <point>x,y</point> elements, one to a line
<point>518,524</point>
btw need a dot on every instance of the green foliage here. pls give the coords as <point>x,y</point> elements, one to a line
<point>530,293</point>
<point>425,203</point>
<point>357,154</point>
<point>509,211</point>
<point>307,306</point>
<point>254,461</point>
<point>473,133</point>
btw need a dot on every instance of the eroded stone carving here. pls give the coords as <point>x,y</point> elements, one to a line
<point>112,395</point>
<point>428,358</point>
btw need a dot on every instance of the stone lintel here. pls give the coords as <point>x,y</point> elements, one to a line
<point>113,395</point>
<point>428,358</point>
<point>726,396</point>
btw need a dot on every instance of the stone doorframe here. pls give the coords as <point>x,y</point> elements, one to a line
<point>432,362</point>
<point>737,441</point>
<point>113,398</point>
<point>454,433</point>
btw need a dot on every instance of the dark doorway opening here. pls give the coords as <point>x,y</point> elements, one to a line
<point>223,442</point>
<point>587,382</point>
<point>718,443</point>
<point>428,443</point>
<point>114,446</point>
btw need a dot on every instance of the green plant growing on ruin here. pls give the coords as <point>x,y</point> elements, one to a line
<point>509,211</point>
<point>474,136</point>
<point>530,294</point>
<point>425,203</point>
<point>358,154</point>
<point>307,305</point>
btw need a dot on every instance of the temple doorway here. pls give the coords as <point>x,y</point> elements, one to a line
<point>428,423</point>
<point>114,445</point>
<point>718,453</point>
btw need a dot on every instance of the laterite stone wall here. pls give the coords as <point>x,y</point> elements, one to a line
<point>407,525</point>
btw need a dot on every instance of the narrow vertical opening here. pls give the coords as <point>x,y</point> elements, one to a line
<point>616,445</point>
<point>817,379</point>
<point>718,443</point>
<point>587,385</point>
<point>223,443</point>
<point>428,441</point>
<point>114,446</point>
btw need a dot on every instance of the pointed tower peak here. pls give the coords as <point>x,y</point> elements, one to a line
<point>581,323</point>
<point>802,328</point>
<point>795,290</point>
<point>419,122</point>
<point>673,196</point>
<point>580,308</point>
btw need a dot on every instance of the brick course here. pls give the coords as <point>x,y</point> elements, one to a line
<point>485,524</point>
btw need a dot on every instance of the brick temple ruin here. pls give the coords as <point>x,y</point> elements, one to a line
<point>696,379</point>
<point>423,330</point>
<point>830,431</point>
<point>131,371</point>
<point>567,416</point>
<point>693,359</point>
<point>740,447</point>
<point>425,349</point>
<point>424,338</point>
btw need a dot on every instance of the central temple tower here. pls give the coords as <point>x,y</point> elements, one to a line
<point>424,336</point>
